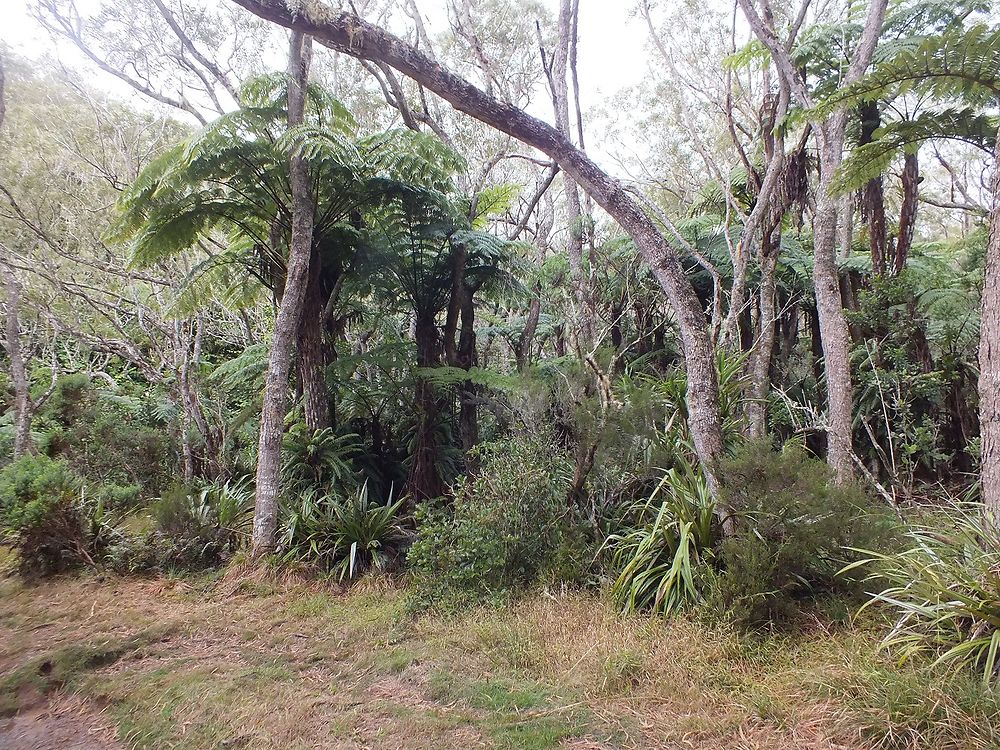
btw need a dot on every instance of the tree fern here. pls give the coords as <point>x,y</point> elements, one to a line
<point>872,159</point>
<point>962,65</point>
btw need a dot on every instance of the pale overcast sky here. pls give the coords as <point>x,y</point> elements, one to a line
<point>612,42</point>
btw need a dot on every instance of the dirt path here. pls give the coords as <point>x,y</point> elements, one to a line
<point>63,723</point>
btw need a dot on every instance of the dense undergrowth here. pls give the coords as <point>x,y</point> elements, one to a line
<point>904,600</point>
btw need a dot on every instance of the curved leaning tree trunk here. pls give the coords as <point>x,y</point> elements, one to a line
<point>348,34</point>
<point>989,355</point>
<point>286,325</point>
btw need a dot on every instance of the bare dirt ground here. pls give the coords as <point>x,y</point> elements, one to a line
<point>62,723</point>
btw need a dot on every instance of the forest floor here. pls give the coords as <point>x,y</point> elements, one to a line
<point>93,664</point>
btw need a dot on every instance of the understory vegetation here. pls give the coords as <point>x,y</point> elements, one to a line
<point>350,414</point>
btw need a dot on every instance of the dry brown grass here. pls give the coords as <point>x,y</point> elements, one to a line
<point>260,660</point>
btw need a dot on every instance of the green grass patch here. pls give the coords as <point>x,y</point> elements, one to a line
<point>534,733</point>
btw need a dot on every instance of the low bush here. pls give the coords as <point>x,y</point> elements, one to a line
<point>346,537</point>
<point>508,526</point>
<point>662,559</point>
<point>106,438</point>
<point>42,511</point>
<point>192,529</point>
<point>795,531</point>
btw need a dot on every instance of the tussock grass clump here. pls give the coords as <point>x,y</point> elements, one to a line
<point>944,585</point>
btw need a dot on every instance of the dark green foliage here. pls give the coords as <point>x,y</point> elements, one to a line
<point>29,481</point>
<point>46,511</point>
<point>508,526</point>
<point>42,510</point>
<point>347,536</point>
<point>914,372</point>
<point>668,550</point>
<point>944,585</point>
<point>193,528</point>
<point>318,461</point>
<point>795,530</point>
<point>107,439</point>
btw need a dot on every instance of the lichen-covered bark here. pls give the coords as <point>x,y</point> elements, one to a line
<point>286,325</point>
<point>989,355</point>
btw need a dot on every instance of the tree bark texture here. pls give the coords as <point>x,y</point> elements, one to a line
<point>347,33</point>
<point>424,481</point>
<point>584,313</point>
<point>286,324</point>
<point>760,358</point>
<point>829,303</point>
<point>989,356</point>
<point>834,334</point>
<point>907,212</point>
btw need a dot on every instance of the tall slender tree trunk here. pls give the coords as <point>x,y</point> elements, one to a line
<point>907,212</point>
<point>830,306</point>
<point>829,303</point>
<point>424,480</point>
<point>873,193</point>
<point>312,354</point>
<point>760,359</point>
<point>289,313</point>
<point>23,406</point>
<point>525,342</point>
<point>468,392</point>
<point>989,355</point>
<point>583,316</point>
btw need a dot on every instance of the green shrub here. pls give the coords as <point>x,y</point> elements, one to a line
<point>42,510</point>
<point>30,478</point>
<point>664,557</point>
<point>345,536</point>
<point>508,526</point>
<point>795,530</point>
<point>108,439</point>
<point>119,497</point>
<point>945,586</point>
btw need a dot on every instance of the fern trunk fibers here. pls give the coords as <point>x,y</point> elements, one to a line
<point>23,406</point>
<point>286,325</point>
<point>989,355</point>
<point>351,35</point>
<point>424,480</point>
<point>468,418</point>
<point>460,345</point>
<point>312,355</point>
<point>834,334</point>
<point>907,212</point>
<point>873,193</point>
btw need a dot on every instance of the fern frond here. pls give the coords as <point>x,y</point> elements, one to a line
<point>869,160</point>
<point>959,65</point>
